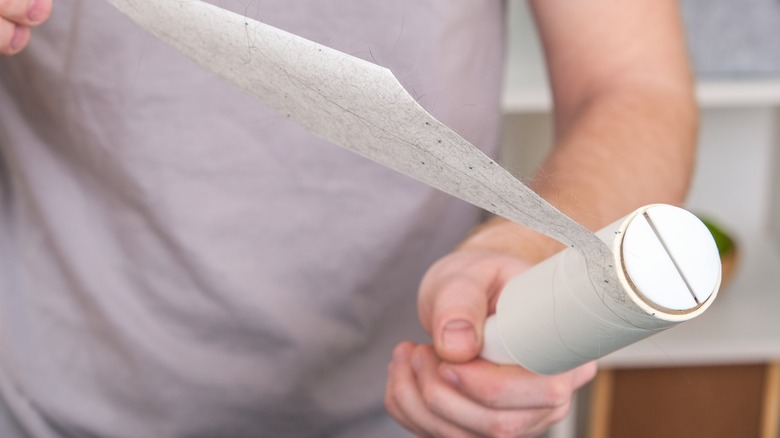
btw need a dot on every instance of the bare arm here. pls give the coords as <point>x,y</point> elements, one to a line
<point>625,131</point>
<point>625,114</point>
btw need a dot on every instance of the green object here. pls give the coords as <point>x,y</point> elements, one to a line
<point>723,240</point>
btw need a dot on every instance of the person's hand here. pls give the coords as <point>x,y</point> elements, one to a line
<point>17,17</point>
<point>445,389</point>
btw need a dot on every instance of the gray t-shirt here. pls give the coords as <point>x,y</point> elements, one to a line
<point>176,259</point>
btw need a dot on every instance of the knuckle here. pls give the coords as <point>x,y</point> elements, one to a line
<point>559,392</point>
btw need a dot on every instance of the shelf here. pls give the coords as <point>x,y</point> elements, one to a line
<point>711,94</point>
<point>526,91</point>
<point>741,326</point>
<point>518,100</point>
<point>739,93</point>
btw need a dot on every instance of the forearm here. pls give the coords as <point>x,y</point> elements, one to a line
<point>625,116</point>
<point>626,149</point>
<point>623,149</point>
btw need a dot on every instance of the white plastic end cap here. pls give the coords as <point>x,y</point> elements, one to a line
<point>670,258</point>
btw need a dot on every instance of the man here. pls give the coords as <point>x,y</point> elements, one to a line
<point>181,261</point>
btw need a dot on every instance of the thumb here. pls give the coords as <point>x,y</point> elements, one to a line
<point>459,316</point>
<point>455,298</point>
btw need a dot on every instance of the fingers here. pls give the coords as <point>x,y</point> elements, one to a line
<point>456,295</point>
<point>395,389</point>
<point>450,405</point>
<point>513,387</point>
<point>16,19</point>
<point>405,402</point>
<point>429,405</point>
<point>25,12</point>
<point>13,37</point>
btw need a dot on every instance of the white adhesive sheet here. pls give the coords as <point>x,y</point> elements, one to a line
<point>362,107</point>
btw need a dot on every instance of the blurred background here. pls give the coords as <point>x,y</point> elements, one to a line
<point>719,375</point>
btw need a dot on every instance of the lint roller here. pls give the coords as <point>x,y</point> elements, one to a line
<point>554,317</point>
<point>652,270</point>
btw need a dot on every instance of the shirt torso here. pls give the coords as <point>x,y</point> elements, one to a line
<point>180,260</point>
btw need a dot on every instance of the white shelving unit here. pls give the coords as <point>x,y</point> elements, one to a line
<point>737,184</point>
<point>712,94</point>
<point>526,90</point>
